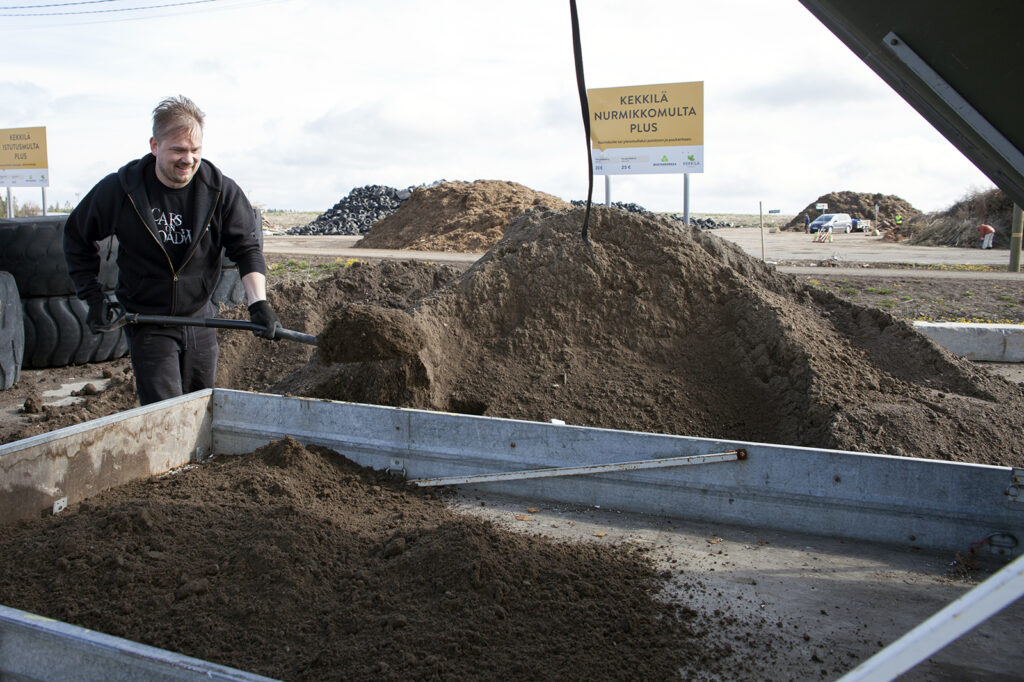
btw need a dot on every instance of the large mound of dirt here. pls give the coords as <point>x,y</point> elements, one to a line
<point>860,205</point>
<point>958,224</point>
<point>295,563</point>
<point>456,216</point>
<point>667,329</point>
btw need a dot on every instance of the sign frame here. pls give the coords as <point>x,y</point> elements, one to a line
<point>646,129</point>
<point>23,157</point>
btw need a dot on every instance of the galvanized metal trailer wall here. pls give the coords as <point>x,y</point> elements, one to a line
<point>923,503</point>
<point>877,498</point>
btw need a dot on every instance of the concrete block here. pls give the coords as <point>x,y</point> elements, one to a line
<point>982,342</point>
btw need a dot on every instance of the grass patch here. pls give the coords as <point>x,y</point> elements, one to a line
<point>878,290</point>
<point>886,303</point>
<point>300,269</point>
<point>964,267</point>
<point>850,291</point>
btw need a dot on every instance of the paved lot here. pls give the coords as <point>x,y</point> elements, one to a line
<point>855,247</point>
<point>850,248</point>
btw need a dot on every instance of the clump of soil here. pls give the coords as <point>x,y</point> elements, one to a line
<point>33,404</point>
<point>861,205</point>
<point>664,329</point>
<point>456,216</point>
<point>958,224</point>
<point>248,363</point>
<point>366,332</point>
<point>295,563</point>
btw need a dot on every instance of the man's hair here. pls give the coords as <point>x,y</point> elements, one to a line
<point>175,113</point>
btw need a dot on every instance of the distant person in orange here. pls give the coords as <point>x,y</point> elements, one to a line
<point>988,233</point>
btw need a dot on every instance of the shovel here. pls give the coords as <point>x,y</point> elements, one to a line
<point>122,318</point>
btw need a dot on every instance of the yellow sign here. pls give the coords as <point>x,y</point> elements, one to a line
<point>648,128</point>
<point>23,157</point>
<point>23,148</point>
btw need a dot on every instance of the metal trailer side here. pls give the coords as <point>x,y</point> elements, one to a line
<point>877,498</point>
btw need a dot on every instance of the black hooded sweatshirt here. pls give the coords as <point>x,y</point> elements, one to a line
<point>147,280</point>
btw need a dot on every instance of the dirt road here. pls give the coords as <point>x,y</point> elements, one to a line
<point>782,247</point>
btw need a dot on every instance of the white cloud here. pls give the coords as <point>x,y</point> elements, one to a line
<point>306,99</point>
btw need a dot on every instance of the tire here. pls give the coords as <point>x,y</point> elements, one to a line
<point>258,216</point>
<point>229,290</point>
<point>32,249</point>
<point>12,332</point>
<point>56,334</point>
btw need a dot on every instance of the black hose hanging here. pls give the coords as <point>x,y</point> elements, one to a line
<point>585,106</point>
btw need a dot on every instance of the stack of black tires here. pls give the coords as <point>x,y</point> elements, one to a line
<point>12,332</point>
<point>42,321</point>
<point>55,331</point>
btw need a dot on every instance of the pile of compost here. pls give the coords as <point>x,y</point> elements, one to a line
<point>653,327</point>
<point>958,224</point>
<point>456,216</point>
<point>861,205</point>
<point>293,562</point>
<point>657,327</point>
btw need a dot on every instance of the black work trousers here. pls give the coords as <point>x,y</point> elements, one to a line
<point>169,361</point>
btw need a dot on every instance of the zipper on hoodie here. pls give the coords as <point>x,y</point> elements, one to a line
<point>195,246</point>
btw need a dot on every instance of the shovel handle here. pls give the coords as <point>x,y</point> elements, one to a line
<point>217,322</point>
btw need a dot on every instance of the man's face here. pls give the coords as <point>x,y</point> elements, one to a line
<point>178,155</point>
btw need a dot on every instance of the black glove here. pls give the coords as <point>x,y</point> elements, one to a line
<point>261,313</point>
<point>99,313</point>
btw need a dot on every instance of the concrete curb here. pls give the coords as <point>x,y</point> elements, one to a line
<point>981,342</point>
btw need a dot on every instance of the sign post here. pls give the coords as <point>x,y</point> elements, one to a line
<point>648,129</point>
<point>23,161</point>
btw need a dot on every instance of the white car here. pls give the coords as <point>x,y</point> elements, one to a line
<point>838,222</point>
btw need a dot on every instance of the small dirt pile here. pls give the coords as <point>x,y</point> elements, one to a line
<point>293,562</point>
<point>456,216</point>
<point>958,224</point>
<point>668,329</point>
<point>248,363</point>
<point>861,205</point>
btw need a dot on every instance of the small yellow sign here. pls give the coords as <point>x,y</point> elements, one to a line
<point>23,148</point>
<point>23,161</point>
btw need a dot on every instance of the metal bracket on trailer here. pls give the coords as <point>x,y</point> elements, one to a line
<point>1015,492</point>
<point>727,456</point>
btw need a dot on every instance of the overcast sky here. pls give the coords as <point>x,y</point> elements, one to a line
<point>307,99</point>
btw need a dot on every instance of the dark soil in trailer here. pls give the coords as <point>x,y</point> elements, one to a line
<point>293,562</point>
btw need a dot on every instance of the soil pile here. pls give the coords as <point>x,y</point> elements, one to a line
<point>664,329</point>
<point>861,205</point>
<point>248,363</point>
<point>295,563</point>
<point>958,224</point>
<point>667,329</point>
<point>456,216</point>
